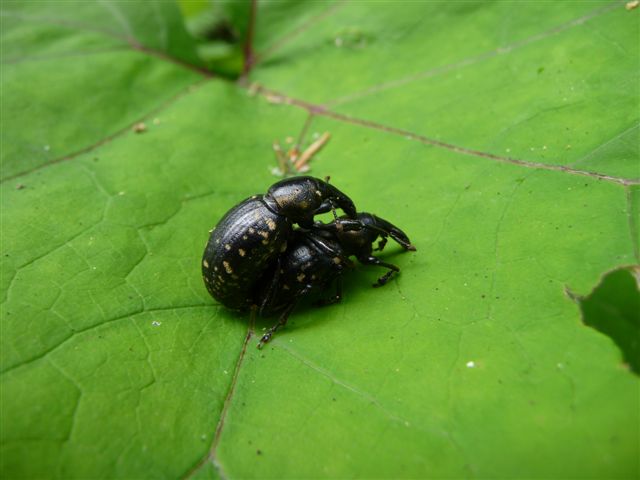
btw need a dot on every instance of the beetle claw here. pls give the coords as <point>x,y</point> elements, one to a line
<point>265,338</point>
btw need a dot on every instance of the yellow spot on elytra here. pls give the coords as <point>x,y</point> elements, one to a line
<point>265,241</point>
<point>227,267</point>
<point>215,269</point>
<point>205,263</point>
<point>251,230</point>
<point>227,247</point>
<point>271,224</point>
<point>242,252</point>
<point>336,260</point>
<point>285,287</point>
<point>264,235</point>
<point>244,237</point>
<point>300,277</point>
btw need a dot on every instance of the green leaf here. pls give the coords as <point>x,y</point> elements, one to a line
<point>613,308</point>
<point>102,66</point>
<point>502,137</point>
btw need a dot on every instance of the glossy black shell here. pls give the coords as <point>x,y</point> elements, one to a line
<point>240,248</point>
<point>309,265</point>
<point>252,234</point>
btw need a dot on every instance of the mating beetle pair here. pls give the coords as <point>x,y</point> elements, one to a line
<point>255,257</point>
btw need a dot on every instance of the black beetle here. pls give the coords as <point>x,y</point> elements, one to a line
<point>252,234</point>
<point>317,257</point>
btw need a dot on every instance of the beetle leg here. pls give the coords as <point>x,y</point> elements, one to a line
<point>371,260</point>
<point>282,321</point>
<point>381,244</point>
<point>337,298</point>
<point>270,295</point>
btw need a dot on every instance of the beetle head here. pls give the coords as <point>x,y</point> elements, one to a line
<point>301,198</point>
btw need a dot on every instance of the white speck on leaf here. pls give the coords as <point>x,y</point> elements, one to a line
<point>471,364</point>
<point>47,148</point>
<point>155,323</point>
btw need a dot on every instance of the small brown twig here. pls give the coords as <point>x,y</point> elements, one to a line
<point>310,151</point>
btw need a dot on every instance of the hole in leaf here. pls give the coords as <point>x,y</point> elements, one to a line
<point>613,308</point>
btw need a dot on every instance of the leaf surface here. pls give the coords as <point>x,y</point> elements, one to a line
<point>502,138</point>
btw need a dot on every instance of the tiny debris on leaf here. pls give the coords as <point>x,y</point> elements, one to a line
<point>140,127</point>
<point>20,186</point>
<point>293,160</point>
<point>631,5</point>
<point>253,89</point>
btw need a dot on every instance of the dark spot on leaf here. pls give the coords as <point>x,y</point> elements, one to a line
<point>613,308</point>
<point>540,70</point>
<point>222,31</point>
<point>259,452</point>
